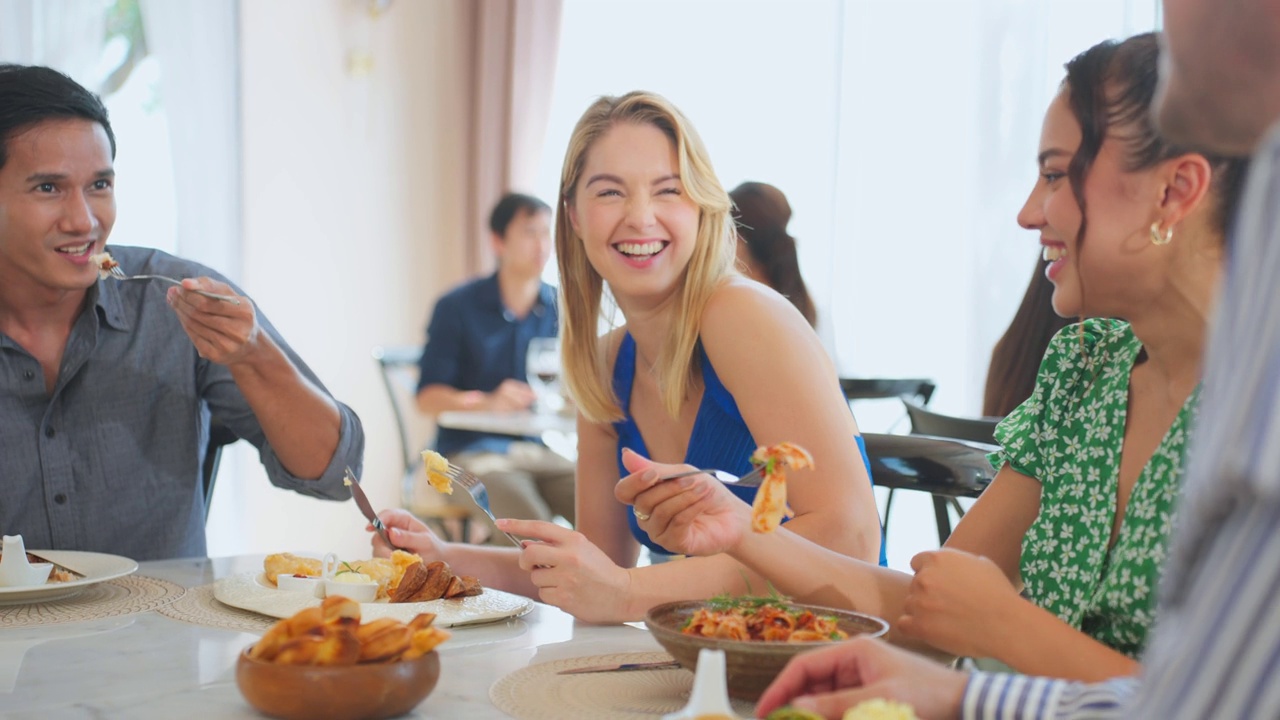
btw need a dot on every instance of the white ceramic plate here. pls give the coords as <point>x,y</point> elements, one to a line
<point>251,591</point>
<point>97,567</point>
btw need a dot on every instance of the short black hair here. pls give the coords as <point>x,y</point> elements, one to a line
<point>511,205</point>
<point>31,94</point>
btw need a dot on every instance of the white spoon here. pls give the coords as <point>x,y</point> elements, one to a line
<point>710,697</point>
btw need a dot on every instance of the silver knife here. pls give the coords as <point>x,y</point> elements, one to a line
<point>362,501</point>
<point>623,667</point>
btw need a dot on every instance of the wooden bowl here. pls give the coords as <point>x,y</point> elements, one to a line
<point>343,692</point>
<point>749,665</point>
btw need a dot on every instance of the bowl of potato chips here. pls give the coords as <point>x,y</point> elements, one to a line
<point>324,662</point>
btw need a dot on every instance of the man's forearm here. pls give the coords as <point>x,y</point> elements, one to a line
<point>302,424</point>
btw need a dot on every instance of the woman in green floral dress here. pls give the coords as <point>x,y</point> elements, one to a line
<point>1081,507</point>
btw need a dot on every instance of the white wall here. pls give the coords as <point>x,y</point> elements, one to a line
<point>350,231</point>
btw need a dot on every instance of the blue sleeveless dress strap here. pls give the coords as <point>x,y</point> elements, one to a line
<point>720,437</point>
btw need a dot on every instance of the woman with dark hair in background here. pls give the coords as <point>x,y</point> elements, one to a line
<point>766,253</point>
<point>1016,358</point>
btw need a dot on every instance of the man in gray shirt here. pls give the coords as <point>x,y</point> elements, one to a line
<point>107,387</point>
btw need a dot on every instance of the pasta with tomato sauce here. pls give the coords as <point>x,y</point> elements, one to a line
<point>761,619</point>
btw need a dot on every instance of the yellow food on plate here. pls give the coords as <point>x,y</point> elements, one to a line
<point>279,564</point>
<point>390,574</point>
<point>880,710</point>
<point>332,635</point>
<point>437,471</point>
<point>770,506</point>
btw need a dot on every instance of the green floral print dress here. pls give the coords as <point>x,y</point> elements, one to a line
<point>1068,436</point>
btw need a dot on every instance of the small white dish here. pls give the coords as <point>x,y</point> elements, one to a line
<point>308,585</point>
<point>363,592</point>
<point>15,570</point>
<point>710,697</point>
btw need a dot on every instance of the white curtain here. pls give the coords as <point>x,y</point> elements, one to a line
<point>66,35</point>
<point>196,42</point>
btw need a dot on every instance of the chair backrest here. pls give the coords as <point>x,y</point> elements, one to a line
<point>928,422</point>
<point>219,437</point>
<point>399,369</point>
<point>948,467</point>
<point>879,388</point>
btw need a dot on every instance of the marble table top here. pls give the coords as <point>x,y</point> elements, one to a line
<point>147,665</point>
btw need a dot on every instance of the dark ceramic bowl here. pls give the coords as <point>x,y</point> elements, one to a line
<point>343,692</point>
<point>749,665</point>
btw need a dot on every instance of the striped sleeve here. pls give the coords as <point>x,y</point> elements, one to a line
<point>1221,652</point>
<point>1216,655</point>
<point>1018,697</point>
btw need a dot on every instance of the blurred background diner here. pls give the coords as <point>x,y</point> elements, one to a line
<point>339,160</point>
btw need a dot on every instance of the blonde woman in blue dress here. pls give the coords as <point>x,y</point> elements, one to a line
<point>706,367</point>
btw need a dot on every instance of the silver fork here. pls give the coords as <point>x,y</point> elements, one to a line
<point>751,479</point>
<point>475,487</point>
<point>119,274</point>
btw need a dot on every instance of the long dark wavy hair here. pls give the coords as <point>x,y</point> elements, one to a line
<point>761,213</point>
<point>1015,360</point>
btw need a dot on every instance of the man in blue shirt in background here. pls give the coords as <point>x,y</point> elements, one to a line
<point>475,359</point>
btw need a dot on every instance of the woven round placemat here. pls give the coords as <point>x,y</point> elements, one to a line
<point>199,607</point>
<point>538,693</point>
<point>112,598</point>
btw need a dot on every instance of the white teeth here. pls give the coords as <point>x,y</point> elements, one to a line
<point>77,250</point>
<point>1054,252</point>
<point>635,248</point>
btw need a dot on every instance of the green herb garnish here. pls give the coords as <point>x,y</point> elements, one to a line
<point>750,604</point>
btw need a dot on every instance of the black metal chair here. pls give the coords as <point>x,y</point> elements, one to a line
<point>976,430</point>
<point>927,422</point>
<point>220,436</point>
<point>880,388</point>
<point>860,388</point>
<point>398,367</point>
<point>946,468</point>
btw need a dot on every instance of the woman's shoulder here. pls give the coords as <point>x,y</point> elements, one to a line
<point>748,329</point>
<point>739,305</point>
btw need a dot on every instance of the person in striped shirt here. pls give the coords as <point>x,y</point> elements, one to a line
<point>1216,643</point>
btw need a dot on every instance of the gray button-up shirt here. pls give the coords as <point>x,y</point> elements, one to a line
<point>110,462</point>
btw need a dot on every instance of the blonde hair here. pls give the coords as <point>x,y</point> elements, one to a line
<point>586,370</point>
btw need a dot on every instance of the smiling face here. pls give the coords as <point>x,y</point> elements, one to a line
<point>630,210</point>
<point>1114,260</point>
<point>57,205</point>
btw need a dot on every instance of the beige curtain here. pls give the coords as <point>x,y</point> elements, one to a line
<point>514,44</point>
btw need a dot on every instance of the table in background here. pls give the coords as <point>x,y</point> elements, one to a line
<point>559,432</point>
<point>147,666</point>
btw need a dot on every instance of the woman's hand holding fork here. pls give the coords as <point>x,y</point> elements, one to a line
<point>693,515</point>
<point>409,533</point>
<point>571,572</point>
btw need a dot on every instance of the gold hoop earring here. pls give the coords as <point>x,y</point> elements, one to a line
<point>1157,238</point>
